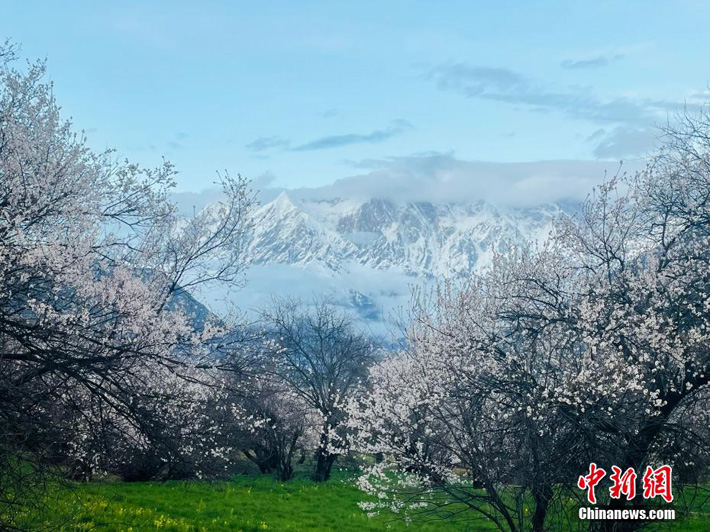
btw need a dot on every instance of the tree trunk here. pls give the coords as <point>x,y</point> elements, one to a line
<point>324,463</point>
<point>284,467</point>
<point>543,496</point>
<point>266,461</point>
<point>324,459</point>
<point>284,471</point>
<point>636,458</point>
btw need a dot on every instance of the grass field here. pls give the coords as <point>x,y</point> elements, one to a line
<point>247,504</point>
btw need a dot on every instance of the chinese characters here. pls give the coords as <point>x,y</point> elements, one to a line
<point>656,482</point>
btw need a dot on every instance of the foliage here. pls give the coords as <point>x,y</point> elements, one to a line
<point>593,348</point>
<point>100,358</point>
<point>322,361</point>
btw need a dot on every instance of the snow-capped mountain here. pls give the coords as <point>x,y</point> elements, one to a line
<point>368,254</point>
<point>366,240</point>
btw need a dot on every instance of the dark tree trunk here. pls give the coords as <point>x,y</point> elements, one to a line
<point>264,460</point>
<point>284,471</point>
<point>637,455</point>
<point>543,496</point>
<point>324,463</point>
<point>324,459</point>
<point>284,466</point>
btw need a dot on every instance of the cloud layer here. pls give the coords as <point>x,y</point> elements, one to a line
<point>397,127</point>
<point>267,143</point>
<point>337,141</point>
<point>503,85</point>
<point>437,177</point>
<point>443,178</point>
<point>592,62</point>
<point>628,121</point>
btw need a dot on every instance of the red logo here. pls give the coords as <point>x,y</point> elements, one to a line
<point>589,481</point>
<point>656,482</point>
<point>624,484</point>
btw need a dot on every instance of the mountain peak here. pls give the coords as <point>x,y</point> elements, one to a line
<point>283,202</point>
<point>421,239</point>
<point>369,253</point>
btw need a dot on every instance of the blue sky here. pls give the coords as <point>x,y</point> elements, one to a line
<point>303,93</point>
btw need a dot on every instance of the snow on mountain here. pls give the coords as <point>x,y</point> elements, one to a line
<point>368,255</point>
<point>419,239</point>
<point>367,240</point>
<point>285,234</point>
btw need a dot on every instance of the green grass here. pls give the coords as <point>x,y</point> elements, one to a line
<point>247,504</point>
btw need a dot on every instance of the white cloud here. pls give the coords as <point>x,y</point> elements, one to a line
<point>624,141</point>
<point>443,178</point>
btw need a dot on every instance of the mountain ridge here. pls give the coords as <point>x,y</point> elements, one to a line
<point>368,255</point>
<point>422,239</point>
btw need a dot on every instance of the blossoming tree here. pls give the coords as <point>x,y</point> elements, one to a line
<point>591,348</point>
<point>95,266</point>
